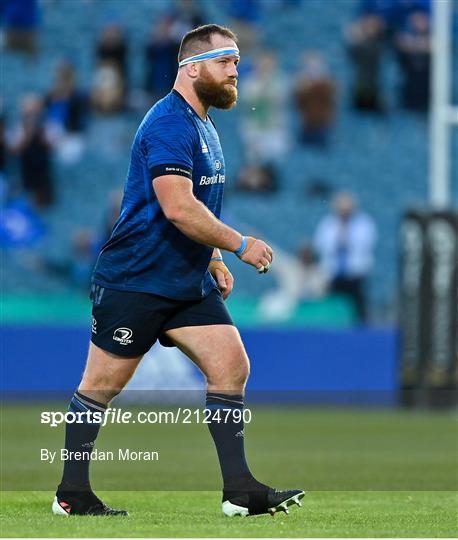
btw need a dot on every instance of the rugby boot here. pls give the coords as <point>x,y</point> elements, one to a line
<point>259,499</point>
<point>82,503</point>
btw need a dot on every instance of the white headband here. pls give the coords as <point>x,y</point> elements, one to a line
<point>214,53</point>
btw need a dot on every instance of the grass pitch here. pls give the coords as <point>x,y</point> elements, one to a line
<point>366,474</point>
<point>197,514</point>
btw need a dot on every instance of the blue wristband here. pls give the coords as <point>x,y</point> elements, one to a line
<point>216,259</point>
<point>242,247</point>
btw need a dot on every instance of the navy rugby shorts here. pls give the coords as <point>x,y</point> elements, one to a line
<point>129,323</point>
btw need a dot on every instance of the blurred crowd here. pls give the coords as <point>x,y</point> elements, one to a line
<point>53,126</point>
<point>75,268</point>
<point>338,260</point>
<point>403,28</point>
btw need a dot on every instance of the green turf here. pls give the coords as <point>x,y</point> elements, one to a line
<point>188,514</point>
<point>366,473</point>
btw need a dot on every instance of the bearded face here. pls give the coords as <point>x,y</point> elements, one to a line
<point>214,93</point>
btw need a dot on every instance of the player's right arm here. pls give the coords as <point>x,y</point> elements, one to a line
<point>168,145</point>
<point>192,218</point>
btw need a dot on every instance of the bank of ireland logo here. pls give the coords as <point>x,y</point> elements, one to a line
<point>123,335</point>
<point>94,326</point>
<point>218,165</point>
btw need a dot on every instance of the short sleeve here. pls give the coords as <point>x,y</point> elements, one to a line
<point>168,144</point>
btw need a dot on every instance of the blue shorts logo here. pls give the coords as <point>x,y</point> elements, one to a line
<point>123,335</point>
<point>218,165</point>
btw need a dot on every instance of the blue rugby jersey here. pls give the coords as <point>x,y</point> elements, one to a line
<point>147,253</point>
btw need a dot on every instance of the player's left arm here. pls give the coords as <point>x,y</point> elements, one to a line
<point>221,273</point>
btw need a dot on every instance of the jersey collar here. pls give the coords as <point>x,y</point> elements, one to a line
<point>188,106</point>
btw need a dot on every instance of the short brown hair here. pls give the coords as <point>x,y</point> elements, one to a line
<point>195,40</point>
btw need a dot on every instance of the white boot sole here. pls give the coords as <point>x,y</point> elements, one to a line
<point>232,510</point>
<point>57,509</point>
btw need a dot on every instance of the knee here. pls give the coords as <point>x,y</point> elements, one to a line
<point>100,388</point>
<point>242,373</point>
<point>232,377</point>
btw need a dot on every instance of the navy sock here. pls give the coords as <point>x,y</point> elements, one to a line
<point>228,436</point>
<point>80,437</point>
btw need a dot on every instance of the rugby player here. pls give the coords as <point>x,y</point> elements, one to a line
<point>161,275</point>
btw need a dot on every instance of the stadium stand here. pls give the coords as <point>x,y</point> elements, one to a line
<point>383,159</point>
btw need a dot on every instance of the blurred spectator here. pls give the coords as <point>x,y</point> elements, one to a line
<point>313,281</point>
<point>263,108</point>
<point>345,241</point>
<point>66,105</point>
<point>20,19</point>
<point>394,13</point>
<point>111,214</point>
<point>244,16</point>
<point>299,278</point>
<point>112,50</point>
<point>315,94</point>
<point>107,95</point>
<point>388,12</point>
<point>365,43</point>
<point>413,48</point>
<point>66,111</point>
<point>20,224</point>
<point>161,54</point>
<point>77,268</point>
<point>82,259</point>
<point>257,178</point>
<point>111,76</point>
<point>186,16</point>
<point>32,144</point>
<point>161,51</point>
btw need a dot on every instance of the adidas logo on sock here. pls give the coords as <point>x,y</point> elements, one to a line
<point>88,444</point>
